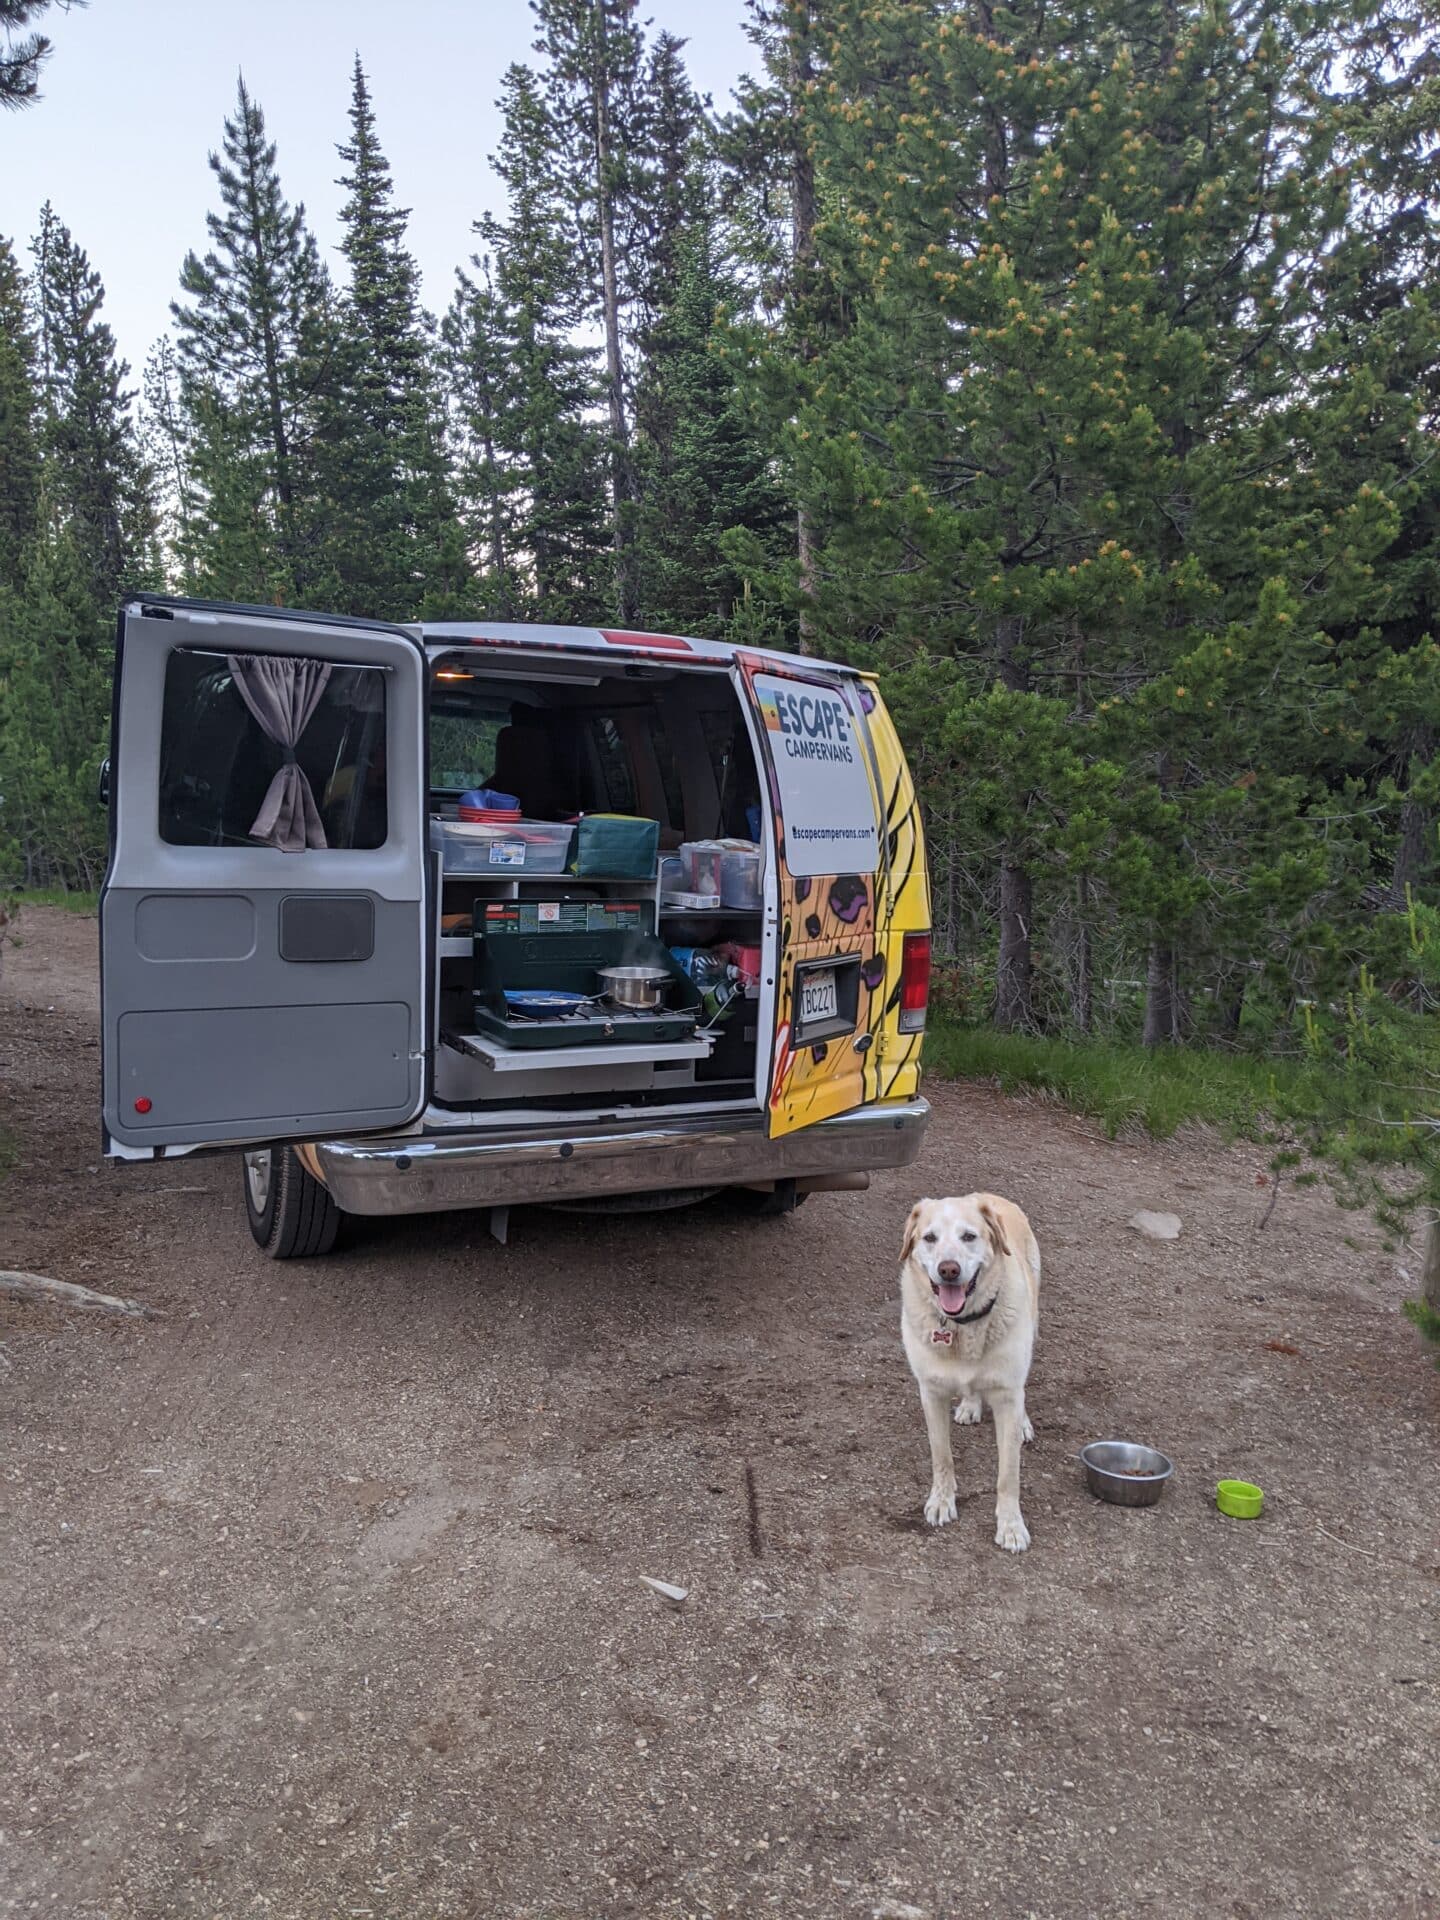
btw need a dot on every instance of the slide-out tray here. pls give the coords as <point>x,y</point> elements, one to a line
<point>616,1053</point>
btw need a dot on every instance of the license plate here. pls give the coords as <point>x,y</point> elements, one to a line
<point>819,999</point>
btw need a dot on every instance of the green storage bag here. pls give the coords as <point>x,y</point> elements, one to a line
<point>615,846</point>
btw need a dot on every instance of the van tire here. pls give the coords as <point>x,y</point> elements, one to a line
<point>291,1216</point>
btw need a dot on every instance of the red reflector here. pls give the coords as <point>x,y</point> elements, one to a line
<point>914,981</point>
<point>142,1105</point>
<point>647,642</point>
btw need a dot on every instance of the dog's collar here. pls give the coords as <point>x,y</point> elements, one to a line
<point>942,1336</point>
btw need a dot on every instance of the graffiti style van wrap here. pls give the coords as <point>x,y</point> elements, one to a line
<point>835,767</point>
<point>895,1074</point>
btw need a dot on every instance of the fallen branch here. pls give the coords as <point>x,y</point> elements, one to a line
<point>1367,1551</point>
<point>61,1293</point>
<point>1274,1196</point>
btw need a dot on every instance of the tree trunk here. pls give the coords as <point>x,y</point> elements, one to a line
<point>802,252</point>
<point>1013,1010</point>
<point>1430,1282</point>
<point>1414,861</point>
<point>627,591</point>
<point>1231,994</point>
<point>1083,996</point>
<point>1161,1012</point>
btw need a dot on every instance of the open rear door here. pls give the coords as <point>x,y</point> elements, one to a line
<point>262,927</point>
<point>827,851</point>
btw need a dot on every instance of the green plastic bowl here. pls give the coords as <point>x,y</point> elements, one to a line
<point>1239,1499</point>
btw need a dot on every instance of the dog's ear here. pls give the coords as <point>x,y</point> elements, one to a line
<point>997,1232</point>
<point>912,1230</point>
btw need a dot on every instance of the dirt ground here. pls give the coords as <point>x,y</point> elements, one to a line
<point>322,1590</point>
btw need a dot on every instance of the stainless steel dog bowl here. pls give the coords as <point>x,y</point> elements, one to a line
<point>638,989</point>
<point>1125,1474</point>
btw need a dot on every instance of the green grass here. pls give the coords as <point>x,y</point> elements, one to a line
<point>1125,1088</point>
<point>73,902</point>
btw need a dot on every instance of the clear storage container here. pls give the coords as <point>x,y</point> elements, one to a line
<point>502,851</point>
<point>740,880</point>
<point>702,865</point>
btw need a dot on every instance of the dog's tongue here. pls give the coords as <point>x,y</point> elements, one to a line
<point>951,1297</point>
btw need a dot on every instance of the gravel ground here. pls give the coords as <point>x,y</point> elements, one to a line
<point>323,1588</point>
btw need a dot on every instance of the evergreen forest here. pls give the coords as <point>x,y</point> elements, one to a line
<point>1075,368</point>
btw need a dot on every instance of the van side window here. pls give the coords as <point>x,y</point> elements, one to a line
<point>733,762</point>
<point>668,768</point>
<point>637,766</point>
<point>272,750</point>
<point>612,757</point>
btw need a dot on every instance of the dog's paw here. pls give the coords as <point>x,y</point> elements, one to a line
<point>940,1507</point>
<point>967,1413</point>
<point>1027,1432</point>
<point>1011,1532</point>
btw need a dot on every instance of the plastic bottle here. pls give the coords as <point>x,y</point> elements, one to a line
<point>713,974</point>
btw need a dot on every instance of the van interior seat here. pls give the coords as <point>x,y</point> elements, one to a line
<point>525,766</point>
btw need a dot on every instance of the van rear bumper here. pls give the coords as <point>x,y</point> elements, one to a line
<point>533,1166</point>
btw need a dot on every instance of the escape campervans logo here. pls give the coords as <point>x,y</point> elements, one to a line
<point>814,726</point>
<point>816,747</point>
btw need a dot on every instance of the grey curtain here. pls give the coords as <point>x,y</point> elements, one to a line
<point>283,695</point>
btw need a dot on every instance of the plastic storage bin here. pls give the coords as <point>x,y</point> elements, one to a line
<point>702,866</point>
<point>740,880</point>
<point>502,852</point>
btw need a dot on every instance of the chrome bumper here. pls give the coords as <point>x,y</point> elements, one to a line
<point>531,1166</point>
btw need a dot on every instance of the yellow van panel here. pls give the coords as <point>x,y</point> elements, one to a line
<point>895,1072</point>
<point>844,915</point>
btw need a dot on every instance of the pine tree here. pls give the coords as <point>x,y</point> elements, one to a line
<point>19,408</point>
<point>598,108</point>
<point>707,489</point>
<point>479,348</point>
<point>24,53</point>
<point>96,475</point>
<point>165,435</point>
<point>256,340</point>
<point>55,673</point>
<point>1049,451</point>
<point>772,145</point>
<point>383,455</point>
<point>552,454</point>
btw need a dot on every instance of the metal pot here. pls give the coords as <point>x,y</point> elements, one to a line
<point>1125,1474</point>
<point>637,989</point>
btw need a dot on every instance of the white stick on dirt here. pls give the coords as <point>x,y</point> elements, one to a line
<point>62,1293</point>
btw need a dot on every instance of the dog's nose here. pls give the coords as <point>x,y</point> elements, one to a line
<point>949,1269</point>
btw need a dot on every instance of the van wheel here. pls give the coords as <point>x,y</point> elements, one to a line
<point>780,1200</point>
<point>291,1215</point>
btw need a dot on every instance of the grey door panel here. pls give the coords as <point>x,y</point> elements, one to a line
<point>250,994</point>
<point>194,926</point>
<point>233,1068</point>
<point>316,927</point>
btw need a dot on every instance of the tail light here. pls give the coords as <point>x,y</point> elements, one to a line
<point>914,982</point>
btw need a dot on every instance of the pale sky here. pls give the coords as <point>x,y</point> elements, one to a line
<point>135,93</point>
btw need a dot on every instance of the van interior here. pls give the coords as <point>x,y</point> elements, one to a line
<point>527,755</point>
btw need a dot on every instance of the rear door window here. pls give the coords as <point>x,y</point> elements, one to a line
<point>272,750</point>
